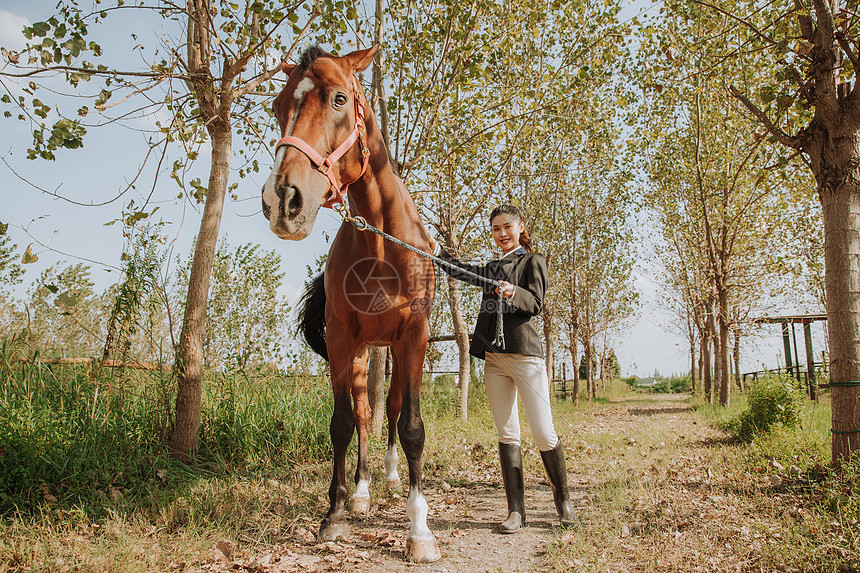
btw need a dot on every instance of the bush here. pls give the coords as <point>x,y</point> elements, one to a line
<point>671,385</point>
<point>772,400</point>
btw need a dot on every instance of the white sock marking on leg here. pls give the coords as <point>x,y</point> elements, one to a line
<point>391,460</point>
<point>416,509</point>
<point>362,489</point>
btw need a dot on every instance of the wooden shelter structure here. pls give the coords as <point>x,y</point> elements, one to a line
<point>789,339</point>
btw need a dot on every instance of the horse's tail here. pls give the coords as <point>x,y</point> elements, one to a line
<point>312,315</point>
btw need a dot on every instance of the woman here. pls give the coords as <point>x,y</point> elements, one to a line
<point>519,366</point>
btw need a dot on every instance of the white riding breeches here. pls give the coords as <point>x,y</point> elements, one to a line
<point>505,375</point>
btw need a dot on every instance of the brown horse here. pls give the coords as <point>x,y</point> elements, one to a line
<point>373,292</point>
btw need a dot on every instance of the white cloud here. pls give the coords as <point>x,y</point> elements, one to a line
<point>10,30</point>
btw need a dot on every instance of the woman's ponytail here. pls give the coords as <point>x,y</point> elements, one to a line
<point>526,239</point>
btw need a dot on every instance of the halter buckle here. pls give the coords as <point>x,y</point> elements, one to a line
<point>362,142</point>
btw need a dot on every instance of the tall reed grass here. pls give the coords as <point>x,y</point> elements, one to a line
<point>76,436</point>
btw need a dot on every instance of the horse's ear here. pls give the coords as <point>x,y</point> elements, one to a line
<point>360,60</point>
<point>287,68</point>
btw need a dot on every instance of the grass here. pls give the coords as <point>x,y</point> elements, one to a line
<point>76,440</point>
<point>85,483</point>
<point>676,493</point>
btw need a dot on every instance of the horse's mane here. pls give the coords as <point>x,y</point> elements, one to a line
<point>309,56</point>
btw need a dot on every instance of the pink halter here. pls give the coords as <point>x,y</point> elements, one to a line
<point>337,193</point>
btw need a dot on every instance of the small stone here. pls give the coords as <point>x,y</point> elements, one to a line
<point>303,535</point>
<point>775,480</point>
<point>225,546</point>
<point>625,530</point>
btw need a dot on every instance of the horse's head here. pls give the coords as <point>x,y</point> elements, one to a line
<point>322,144</point>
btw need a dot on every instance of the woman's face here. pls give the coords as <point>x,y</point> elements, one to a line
<point>506,231</point>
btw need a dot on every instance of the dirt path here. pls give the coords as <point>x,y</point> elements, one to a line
<point>646,479</point>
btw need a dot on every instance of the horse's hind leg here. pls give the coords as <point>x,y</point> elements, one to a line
<point>421,544</point>
<point>360,500</point>
<point>392,404</point>
<point>341,354</point>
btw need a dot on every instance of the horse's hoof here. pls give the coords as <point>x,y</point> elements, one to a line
<point>359,505</point>
<point>333,532</point>
<point>393,483</point>
<point>422,550</point>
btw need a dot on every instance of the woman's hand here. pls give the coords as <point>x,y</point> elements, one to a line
<point>506,290</point>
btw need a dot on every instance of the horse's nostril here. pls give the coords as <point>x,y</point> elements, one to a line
<point>294,206</point>
<point>291,201</point>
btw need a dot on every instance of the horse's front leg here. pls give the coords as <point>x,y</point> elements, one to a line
<point>392,405</point>
<point>341,356</point>
<point>421,544</point>
<point>360,500</point>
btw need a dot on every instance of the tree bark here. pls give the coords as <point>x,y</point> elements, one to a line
<point>715,348</point>
<point>725,385</point>
<point>573,347</point>
<point>461,336</point>
<point>737,359</point>
<point>706,360</point>
<point>589,369</point>
<point>841,210</point>
<point>549,347</point>
<point>183,436</point>
<point>692,363</point>
<point>376,388</point>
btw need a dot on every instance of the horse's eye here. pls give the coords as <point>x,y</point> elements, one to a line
<point>340,100</point>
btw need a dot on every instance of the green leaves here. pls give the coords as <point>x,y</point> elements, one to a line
<point>66,301</point>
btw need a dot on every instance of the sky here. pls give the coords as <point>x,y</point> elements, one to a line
<point>60,231</point>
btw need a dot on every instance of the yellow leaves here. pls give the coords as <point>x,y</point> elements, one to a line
<point>29,256</point>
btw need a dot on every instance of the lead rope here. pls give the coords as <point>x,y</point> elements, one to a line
<point>361,224</point>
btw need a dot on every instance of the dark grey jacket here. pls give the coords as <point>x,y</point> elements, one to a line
<point>528,272</point>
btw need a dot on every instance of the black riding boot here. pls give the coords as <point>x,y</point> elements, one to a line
<point>511,458</point>
<point>553,461</point>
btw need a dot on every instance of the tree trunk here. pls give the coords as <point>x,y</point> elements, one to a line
<point>692,363</point>
<point>376,388</point>
<point>715,349</point>
<point>706,362</point>
<point>461,336</point>
<point>183,436</point>
<point>549,348</point>
<point>589,369</point>
<point>725,385</point>
<point>736,354</point>
<point>841,210</point>
<point>575,364</point>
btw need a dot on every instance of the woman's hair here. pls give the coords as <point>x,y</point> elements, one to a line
<point>525,238</point>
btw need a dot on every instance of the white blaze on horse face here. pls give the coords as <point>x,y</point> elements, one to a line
<point>269,195</point>
<point>304,87</point>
